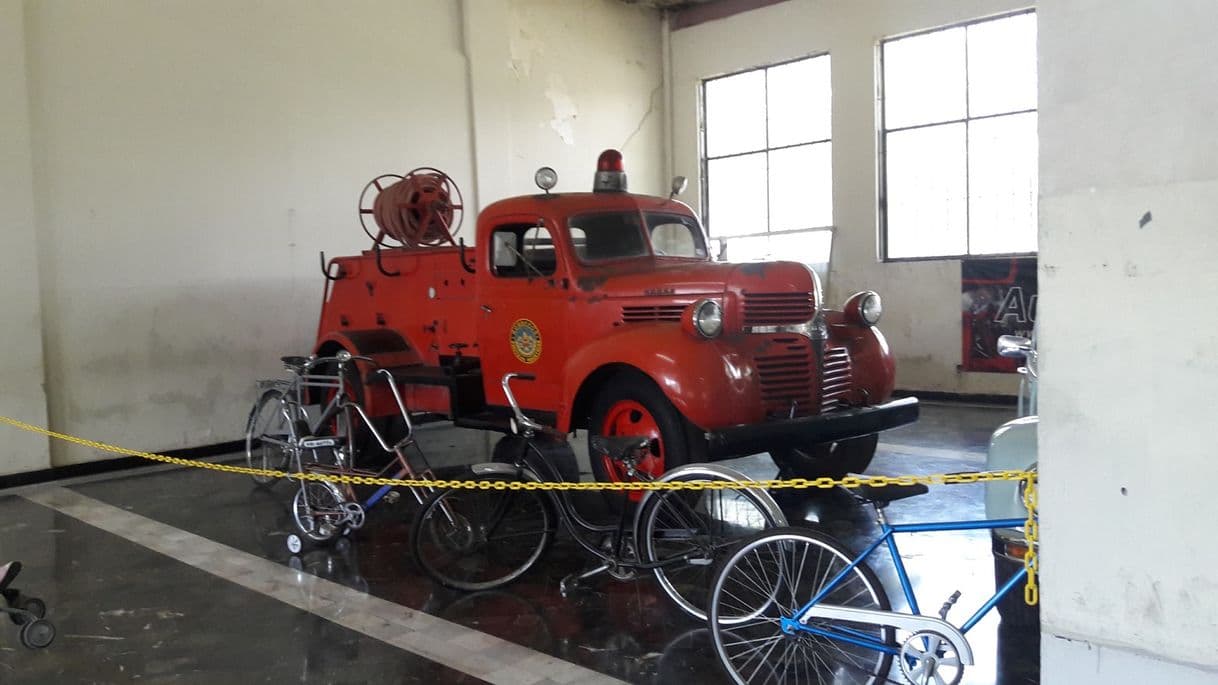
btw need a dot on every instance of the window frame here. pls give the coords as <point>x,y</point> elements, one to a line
<point>882,140</point>
<point>705,159</point>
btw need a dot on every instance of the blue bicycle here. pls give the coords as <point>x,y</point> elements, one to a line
<point>793,605</point>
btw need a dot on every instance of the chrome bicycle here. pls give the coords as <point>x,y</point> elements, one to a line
<point>323,510</point>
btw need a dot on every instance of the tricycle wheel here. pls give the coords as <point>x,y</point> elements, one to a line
<point>34,605</point>
<point>37,633</point>
<point>829,459</point>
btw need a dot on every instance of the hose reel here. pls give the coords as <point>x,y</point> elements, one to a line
<point>424,208</point>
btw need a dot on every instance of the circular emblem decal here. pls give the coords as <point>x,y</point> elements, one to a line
<point>526,341</point>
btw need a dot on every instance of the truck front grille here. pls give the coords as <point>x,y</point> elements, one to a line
<point>786,373</point>
<point>775,309</point>
<point>657,312</point>
<point>786,377</point>
<point>835,378</point>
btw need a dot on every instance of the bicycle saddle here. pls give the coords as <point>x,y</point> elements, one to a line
<point>295,363</point>
<point>618,448</point>
<point>882,495</point>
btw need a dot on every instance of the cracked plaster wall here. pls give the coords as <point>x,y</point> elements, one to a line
<point>180,165</point>
<point>190,160</point>
<point>554,83</point>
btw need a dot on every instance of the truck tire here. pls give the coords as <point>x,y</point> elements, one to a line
<point>632,404</point>
<point>830,459</point>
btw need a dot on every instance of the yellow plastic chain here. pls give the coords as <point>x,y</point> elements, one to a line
<point>1031,533</point>
<point>773,484</point>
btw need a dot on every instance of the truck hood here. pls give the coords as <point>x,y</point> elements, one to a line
<point>682,279</point>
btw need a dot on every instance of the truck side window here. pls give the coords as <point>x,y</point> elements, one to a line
<point>522,251</point>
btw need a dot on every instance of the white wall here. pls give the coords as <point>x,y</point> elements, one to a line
<point>190,159</point>
<point>556,82</point>
<point>921,299</point>
<point>21,334</point>
<point>1128,95</point>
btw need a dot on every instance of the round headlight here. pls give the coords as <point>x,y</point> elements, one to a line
<point>871,308</point>
<point>708,318</point>
<point>546,178</point>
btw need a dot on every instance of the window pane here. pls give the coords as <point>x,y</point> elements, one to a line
<point>812,248</point>
<point>926,192</point>
<point>924,79</point>
<point>1002,184</point>
<point>1002,65</point>
<point>736,195</point>
<point>735,114</point>
<point>799,97</point>
<point>748,249</point>
<point>801,187</point>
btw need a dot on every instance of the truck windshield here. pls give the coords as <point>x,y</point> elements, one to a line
<point>621,235</point>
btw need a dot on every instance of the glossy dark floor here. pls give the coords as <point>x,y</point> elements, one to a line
<point>125,613</point>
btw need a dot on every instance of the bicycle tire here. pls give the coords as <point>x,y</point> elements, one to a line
<point>266,418</point>
<point>317,510</point>
<point>709,522</point>
<point>764,571</point>
<point>492,538</point>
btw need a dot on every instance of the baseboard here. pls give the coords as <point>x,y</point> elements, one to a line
<point>969,398</point>
<point>92,468</point>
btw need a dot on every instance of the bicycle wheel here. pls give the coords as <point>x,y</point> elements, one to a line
<point>318,511</point>
<point>269,435</point>
<point>768,578</point>
<point>481,539</point>
<point>699,524</point>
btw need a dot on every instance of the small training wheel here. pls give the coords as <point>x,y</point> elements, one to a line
<point>35,606</point>
<point>928,658</point>
<point>354,511</point>
<point>295,544</point>
<point>37,633</point>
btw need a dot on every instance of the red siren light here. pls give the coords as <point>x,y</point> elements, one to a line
<point>610,160</point>
<point>610,173</point>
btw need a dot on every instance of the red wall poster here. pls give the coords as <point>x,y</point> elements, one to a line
<point>998,297</point>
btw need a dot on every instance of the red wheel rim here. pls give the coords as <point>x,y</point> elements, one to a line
<point>628,417</point>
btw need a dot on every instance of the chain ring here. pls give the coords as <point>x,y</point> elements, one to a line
<point>925,654</point>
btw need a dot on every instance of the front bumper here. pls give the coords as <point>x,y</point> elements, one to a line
<point>809,430</point>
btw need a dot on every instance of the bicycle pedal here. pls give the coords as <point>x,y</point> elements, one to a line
<point>569,585</point>
<point>392,497</point>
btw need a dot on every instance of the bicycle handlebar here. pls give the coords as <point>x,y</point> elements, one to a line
<point>524,422</point>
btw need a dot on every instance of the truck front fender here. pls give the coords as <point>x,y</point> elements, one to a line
<point>708,381</point>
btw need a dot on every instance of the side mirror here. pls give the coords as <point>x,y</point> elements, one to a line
<point>1015,346</point>
<point>678,186</point>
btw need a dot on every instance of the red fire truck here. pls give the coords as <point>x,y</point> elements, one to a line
<point>613,301</point>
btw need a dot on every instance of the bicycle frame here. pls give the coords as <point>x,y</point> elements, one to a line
<point>912,621</point>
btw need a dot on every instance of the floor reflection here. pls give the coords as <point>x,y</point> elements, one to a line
<point>105,591</point>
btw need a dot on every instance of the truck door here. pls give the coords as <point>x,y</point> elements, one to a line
<point>522,312</point>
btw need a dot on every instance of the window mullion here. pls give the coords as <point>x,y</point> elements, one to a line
<point>766,104</point>
<point>968,172</point>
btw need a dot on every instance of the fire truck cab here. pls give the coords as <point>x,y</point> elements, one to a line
<point>614,303</point>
